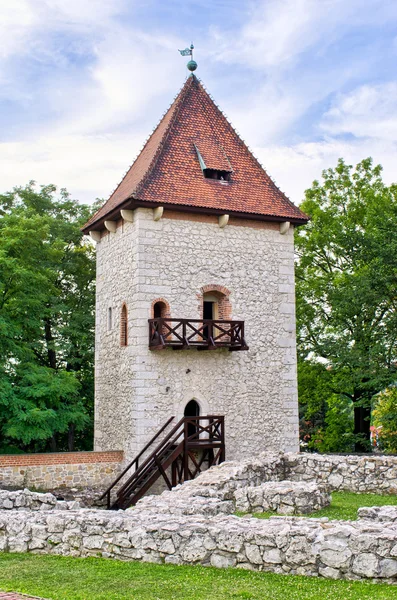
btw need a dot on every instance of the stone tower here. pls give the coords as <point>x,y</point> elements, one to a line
<point>196,231</point>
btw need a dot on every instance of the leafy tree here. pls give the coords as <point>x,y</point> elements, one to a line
<point>385,419</point>
<point>346,274</point>
<point>46,321</point>
<point>326,418</point>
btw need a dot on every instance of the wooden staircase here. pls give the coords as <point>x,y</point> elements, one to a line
<point>191,443</point>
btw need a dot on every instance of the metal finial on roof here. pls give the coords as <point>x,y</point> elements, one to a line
<point>191,65</point>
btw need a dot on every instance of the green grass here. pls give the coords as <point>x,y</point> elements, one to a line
<point>344,506</point>
<point>61,578</point>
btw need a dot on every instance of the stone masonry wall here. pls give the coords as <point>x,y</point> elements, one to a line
<point>27,500</point>
<point>182,527</point>
<point>138,390</point>
<point>57,470</point>
<point>347,550</point>
<point>354,473</point>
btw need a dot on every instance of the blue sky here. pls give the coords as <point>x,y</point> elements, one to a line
<point>84,82</point>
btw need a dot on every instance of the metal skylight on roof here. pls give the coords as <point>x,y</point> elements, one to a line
<point>215,165</point>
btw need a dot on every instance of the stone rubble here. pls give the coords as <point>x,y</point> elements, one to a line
<point>27,500</point>
<point>284,497</point>
<point>354,473</point>
<point>378,513</point>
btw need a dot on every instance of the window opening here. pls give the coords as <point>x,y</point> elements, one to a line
<point>216,174</point>
<point>124,326</point>
<point>110,318</point>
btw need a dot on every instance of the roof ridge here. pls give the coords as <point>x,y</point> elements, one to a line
<point>177,102</point>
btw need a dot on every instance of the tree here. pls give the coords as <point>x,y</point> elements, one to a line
<point>346,274</point>
<point>385,419</point>
<point>47,275</point>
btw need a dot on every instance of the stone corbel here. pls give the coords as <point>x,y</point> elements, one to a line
<point>95,235</point>
<point>127,215</point>
<point>223,220</point>
<point>158,213</point>
<point>111,226</point>
<point>284,227</point>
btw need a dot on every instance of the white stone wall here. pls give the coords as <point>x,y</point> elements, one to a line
<point>138,390</point>
<point>354,473</point>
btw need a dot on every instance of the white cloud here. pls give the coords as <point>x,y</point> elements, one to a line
<point>99,110</point>
<point>17,20</point>
<point>294,168</point>
<point>278,31</point>
<point>368,111</point>
<point>88,166</point>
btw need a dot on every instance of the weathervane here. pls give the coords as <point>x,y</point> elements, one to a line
<point>191,65</point>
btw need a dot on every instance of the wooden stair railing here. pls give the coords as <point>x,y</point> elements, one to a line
<point>177,450</point>
<point>134,462</point>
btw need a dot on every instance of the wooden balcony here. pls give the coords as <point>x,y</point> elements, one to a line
<point>203,334</point>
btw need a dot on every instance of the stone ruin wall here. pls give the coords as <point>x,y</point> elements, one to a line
<point>373,474</point>
<point>354,473</point>
<point>192,524</point>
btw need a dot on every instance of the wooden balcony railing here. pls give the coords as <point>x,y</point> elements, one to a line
<point>203,334</point>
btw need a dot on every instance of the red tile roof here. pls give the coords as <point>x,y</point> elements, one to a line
<point>168,170</point>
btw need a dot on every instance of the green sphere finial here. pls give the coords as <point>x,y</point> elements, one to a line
<point>192,65</point>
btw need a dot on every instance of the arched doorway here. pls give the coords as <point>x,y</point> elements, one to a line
<point>192,409</point>
<point>159,310</point>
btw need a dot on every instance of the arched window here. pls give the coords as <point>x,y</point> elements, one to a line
<point>160,309</point>
<point>192,409</point>
<point>124,326</point>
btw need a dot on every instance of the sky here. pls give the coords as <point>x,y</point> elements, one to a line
<point>84,82</point>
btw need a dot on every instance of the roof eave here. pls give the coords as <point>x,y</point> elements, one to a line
<point>132,203</point>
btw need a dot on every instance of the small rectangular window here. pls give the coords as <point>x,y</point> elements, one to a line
<point>217,174</point>
<point>110,318</point>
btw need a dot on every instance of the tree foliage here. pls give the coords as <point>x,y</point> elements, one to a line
<point>346,276</point>
<point>385,419</point>
<point>46,321</point>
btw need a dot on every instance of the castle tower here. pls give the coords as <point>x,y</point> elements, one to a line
<point>195,308</point>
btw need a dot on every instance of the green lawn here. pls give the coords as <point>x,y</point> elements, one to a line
<point>61,578</point>
<point>344,505</point>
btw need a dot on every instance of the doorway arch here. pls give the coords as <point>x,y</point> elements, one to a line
<point>192,409</point>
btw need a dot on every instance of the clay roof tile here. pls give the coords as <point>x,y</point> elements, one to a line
<point>169,171</point>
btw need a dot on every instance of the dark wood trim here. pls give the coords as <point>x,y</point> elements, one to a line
<point>177,450</point>
<point>203,334</point>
